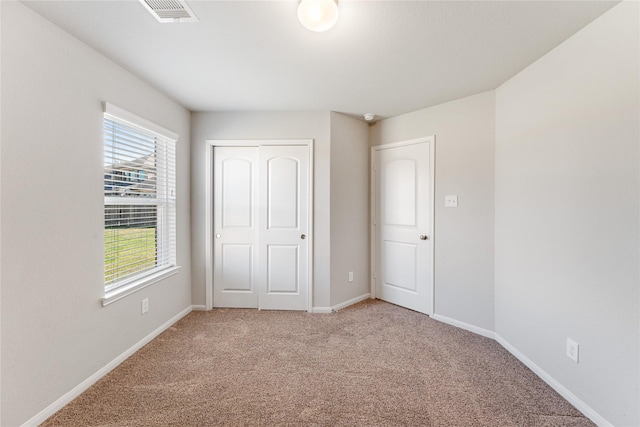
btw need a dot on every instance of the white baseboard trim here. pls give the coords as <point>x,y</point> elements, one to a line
<point>326,310</point>
<point>562,390</point>
<point>350,302</point>
<point>84,385</point>
<point>467,326</point>
<point>199,307</point>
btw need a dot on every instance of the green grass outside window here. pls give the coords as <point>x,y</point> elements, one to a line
<point>128,251</point>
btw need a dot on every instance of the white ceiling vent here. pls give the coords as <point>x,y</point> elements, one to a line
<point>169,10</point>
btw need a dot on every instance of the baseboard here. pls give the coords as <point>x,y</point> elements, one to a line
<point>350,302</point>
<point>84,385</point>
<point>467,326</point>
<point>326,310</point>
<point>199,307</point>
<point>562,390</point>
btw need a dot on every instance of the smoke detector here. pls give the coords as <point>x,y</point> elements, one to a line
<point>166,11</point>
<point>369,116</point>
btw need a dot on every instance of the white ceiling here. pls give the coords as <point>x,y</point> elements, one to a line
<point>385,57</point>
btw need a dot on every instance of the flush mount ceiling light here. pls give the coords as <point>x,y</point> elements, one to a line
<point>318,15</point>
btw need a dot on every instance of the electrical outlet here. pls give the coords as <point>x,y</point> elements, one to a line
<point>451,201</point>
<point>145,305</point>
<point>573,350</point>
<point>351,276</point>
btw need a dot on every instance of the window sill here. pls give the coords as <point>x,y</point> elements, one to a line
<point>116,294</point>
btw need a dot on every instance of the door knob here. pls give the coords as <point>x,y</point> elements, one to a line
<point>218,236</point>
<point>423,237</point>
<point>303,236</point>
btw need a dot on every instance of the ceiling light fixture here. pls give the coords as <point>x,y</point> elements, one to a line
<point>318,15</point>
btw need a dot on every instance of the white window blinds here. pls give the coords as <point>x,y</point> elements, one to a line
<point>139,201</point>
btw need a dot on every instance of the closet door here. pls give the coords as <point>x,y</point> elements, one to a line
<point>283,217</point>
<point>235,216</point>
<point>261,245</point>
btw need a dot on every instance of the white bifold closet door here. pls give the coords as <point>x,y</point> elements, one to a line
<point>261,252</point>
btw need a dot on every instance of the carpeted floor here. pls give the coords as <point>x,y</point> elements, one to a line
<point>372,364</point>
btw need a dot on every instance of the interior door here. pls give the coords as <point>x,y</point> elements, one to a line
<point>403,221</point>
<point>261,224</point>
<point>235,220</point>
<point>284,202</point>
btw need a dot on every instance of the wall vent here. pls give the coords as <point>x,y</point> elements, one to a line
<point>169,10</point>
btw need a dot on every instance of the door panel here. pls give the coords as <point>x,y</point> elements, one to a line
<point>400,264</point>
<point>235,216</point>
<point>403,213</point>
<point>237,266</point>
<point>237,193</point>
<point>282,269</point>
<point>284,194</point>
<point>399,187</point>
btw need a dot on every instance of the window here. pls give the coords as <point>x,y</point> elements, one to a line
<point>139,200</point>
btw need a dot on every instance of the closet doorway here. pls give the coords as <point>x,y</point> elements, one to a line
<point>259,217</point>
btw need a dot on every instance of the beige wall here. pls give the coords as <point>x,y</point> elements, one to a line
<point>464,165</point>
<point>567,206</point>
<point>55,333</point>
<point>263,126</point>
<point>349,208</point>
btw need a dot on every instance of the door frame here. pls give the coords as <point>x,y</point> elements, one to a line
<point>431,140</point>
<point>209,242</point>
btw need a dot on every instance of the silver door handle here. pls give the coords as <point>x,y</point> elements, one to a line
<point>423,237</point>
<point>218,236</point>
<point>303,236</point>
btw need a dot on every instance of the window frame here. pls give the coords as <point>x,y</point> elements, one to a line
<point>135,282</point>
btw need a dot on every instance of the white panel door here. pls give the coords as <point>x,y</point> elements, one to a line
<point>235,227</point>
<point>284,247</point>
<point>261,249</point>
<point>403,221</point>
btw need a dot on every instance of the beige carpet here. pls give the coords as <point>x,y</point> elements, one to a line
<point>372,364</point>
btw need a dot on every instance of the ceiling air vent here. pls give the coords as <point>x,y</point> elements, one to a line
<point>169,10</point>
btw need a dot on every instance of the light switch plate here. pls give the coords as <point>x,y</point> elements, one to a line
<point>451,201</point>
<point>573,350</point>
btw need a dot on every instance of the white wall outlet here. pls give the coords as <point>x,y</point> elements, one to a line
<point>573,350</point>
<point>451,201</point>
<point>351,276</point>
<point>145,305</point>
